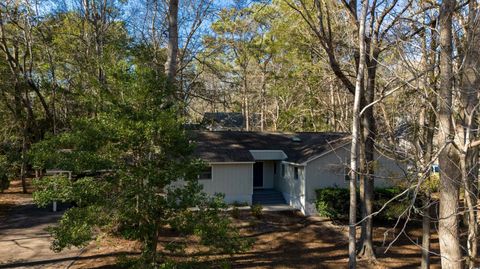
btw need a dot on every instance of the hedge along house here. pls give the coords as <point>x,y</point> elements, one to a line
<point>253,167</point>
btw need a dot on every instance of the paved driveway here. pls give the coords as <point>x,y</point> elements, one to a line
<point>24,243</point>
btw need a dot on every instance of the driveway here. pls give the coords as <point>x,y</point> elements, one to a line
<point>24,243</point>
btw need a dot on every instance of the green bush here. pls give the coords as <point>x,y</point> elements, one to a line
<point>235,212</point>
<point>334,203</point>
<point>4,181</point>
<point>239,204</point>
<point>395,208</point>
<point>257,210</point>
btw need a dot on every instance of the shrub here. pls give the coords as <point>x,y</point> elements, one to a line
<point>257,210</point>
<point>334,203</point>
<point>4,181</point>
<point>395,208</point>
<point>239,204</point>
<point>235,212</point>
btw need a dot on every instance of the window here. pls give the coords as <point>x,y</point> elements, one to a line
<point>295,173</point>
<point>205,174</point>
<point>274,168</point>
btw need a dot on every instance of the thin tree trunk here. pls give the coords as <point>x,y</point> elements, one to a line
<point>355,140</point>
<point>426,233</point>
<point>471,214</point>
<point>151,247</point>
<point>23,167</point>
<point>366,249</point>
<point>246,103</point>
<point>172,48</point>
<point>333,108</point>
<point>428,123</point>
<point>263,105</point>
<point>448,231</point>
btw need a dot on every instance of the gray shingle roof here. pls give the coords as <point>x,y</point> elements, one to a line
<point>234,146</point>
<point>224,119</point>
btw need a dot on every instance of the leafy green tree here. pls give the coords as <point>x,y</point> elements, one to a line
<point>267,67</point>
<point>127,159</point>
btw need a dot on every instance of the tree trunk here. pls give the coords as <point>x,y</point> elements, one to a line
<point>426,233</point>
<point>428,123</point>
<point>150,248</point>
<point>470,202</point>
<point>246,110</point>
<point>355,140</point>
<point>448,231</point>
<point>366,249</point>
<point>172,48</point>
<point>263,105</point>
<point>23,167</point>
<point>470,83</point>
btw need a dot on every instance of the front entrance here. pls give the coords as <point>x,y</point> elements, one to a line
<point>258,175</point>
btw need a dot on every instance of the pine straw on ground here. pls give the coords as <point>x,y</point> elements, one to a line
<point>281,240</point>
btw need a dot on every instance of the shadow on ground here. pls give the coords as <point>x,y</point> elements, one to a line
<point>282,240</point>
<point>52,261</point>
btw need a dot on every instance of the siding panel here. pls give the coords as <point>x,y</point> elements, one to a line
<point>329,171</point>
<point>293,190</point>
<point>233,180</point>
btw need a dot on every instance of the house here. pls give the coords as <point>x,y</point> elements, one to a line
<point>294,165</point>
<point>229,121</point>
<point>223,121</point>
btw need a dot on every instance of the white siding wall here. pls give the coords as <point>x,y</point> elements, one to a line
<point>233,180</point>
<point>293,190</point>
<point>388,171</point>
<point>329,171</point>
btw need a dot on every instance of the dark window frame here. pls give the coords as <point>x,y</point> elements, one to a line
<point>205,174</point>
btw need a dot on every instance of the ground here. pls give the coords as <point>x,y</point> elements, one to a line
<point>282,240</point>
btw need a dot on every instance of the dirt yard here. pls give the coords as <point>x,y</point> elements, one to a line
<point>289,240</point>
<point>282,240</point>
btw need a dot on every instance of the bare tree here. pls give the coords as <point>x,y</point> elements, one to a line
<point>383,16</point>
<point>467,129</point>
<point>427,123</point>
<point>448,231</point>
<point>356,139</point>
